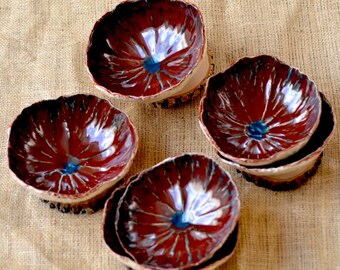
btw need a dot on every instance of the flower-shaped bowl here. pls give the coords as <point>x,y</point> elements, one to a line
<point>180,214</point>
<point>149,51</point>
<point>293,171</point>
<point>259,111</point>
<point>71,151</point>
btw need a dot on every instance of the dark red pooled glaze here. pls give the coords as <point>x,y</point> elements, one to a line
<point>143,48</point>
<point>70,145</point>
<point>178,213</point>
<point>259,108</point>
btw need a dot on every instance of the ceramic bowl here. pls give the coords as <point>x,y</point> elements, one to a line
<point>259,111</point>
<point>72,150</point>
<point>293,171</point>
<point>180,214</point>
<point>149,51</point>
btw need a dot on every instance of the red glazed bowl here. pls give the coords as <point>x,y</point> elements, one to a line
<point>180,214</point>
<point>293,171</point>
<point>72,150</point>
<point>259,111</point>
<point>148,51</point>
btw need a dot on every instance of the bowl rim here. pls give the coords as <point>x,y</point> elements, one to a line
<point>136,178</point>
<point>159,95</point>
<point>277,155</point>
<point>92,192</point>
<point>298,162</point>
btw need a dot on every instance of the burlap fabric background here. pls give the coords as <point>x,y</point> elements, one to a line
<point>42,45</point>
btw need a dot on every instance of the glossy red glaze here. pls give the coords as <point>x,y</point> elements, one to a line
<point>192,185</point>
<point>112,240</point>
<point>110,234</point>
<point>143,48</point>
<point>259,110</point>
<point>71,145</point>
<point>316,143</point>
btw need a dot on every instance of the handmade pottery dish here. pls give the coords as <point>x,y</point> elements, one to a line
<point>293,171</point>
<point>259,111</point>
<point>71,151</point>
<point>149,51</point>
<point>182,213</point>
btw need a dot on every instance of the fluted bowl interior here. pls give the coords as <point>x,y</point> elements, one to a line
<point>260,110</point>
<point>314,147</point>
<point>176,214</point>
<point>113,242</point>
<point>144,48</point>
<point>71,146</point>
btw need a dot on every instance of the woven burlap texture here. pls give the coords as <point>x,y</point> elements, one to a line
<point>42,46</point>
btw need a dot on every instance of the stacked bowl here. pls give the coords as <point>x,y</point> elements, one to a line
<point>180,214</point>
<point>267,120</point>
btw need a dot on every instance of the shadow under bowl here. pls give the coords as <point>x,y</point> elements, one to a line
<point>149,52</point>
<point>259,111</point>
<point>71,151</point>
<point>295,170</point>
<point>182,213</point>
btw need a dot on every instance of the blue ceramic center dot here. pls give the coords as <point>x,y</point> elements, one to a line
<point>151,65</point>
<point>70,167</point>
<point>178,221</point>
<point>257,130</point>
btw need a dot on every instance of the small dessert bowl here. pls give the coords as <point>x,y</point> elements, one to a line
<point>149,51</point>
<point>180,214</point>
<point>293,171</point>
<point>70,151</point>
<point>259,111</point>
